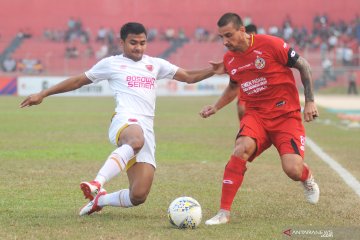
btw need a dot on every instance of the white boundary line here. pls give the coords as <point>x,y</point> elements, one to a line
<point>344,174</point>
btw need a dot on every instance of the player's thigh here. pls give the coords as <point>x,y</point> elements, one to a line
<point>252,138</point>
<point>288,134</point>
<point>132,135</point>
<point>126,130</point>
<point>140,177</point>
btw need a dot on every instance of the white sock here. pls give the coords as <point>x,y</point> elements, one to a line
<point>115,163</point>
<point>100,179</point>
<point>116,199</point>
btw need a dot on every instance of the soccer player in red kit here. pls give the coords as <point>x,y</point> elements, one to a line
<point>260,66</point>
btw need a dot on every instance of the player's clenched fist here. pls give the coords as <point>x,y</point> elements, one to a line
<point>207,111</point>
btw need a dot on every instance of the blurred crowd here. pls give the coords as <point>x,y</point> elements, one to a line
<point>338,38</point>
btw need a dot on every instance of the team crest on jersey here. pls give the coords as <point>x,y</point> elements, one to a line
<point>149,67</point>
<point>259,63</point>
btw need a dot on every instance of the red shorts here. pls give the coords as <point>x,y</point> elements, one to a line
<point>285,132</point>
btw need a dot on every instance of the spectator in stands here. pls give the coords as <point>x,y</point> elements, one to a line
<point>153,32</point>
<point>71,23</point>
<point>38,67</point>
<point>251,29</point>
<point>199,34</point>
<point>181,34</point>
<point>110,37</point>
<point>24,33</point>
<point>169,34</point>
<point>352,82</point>
<point>20,66</point>
<point>71,52</point>
<point>89,51</point>
<point>102,52</point>
<point>357,30</point>
<point>29,66</point>
<point>9,65</point>
<point>101,34</point>
<point>347,56</point>
<point>328,71</point>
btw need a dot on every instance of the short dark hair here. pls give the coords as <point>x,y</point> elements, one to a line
<point>228,18</point>
<point>131,28</point>
<point>251,28</point>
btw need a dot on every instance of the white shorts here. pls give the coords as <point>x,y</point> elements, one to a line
<point>120,121</point>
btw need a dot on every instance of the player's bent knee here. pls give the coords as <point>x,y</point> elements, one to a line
<point>293,172</point>
<point>244,147</point>
<point>137,144</point>
<point>137,199</point>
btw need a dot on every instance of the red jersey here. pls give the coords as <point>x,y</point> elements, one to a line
<point>263,73</point>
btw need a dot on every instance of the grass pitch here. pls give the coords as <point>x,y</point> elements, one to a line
<point>47,150</point>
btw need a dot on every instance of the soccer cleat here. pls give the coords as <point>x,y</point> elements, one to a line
<point>222,217</point>
<point>92,206</point>
<point>90,189</point>
<point>311,190</point>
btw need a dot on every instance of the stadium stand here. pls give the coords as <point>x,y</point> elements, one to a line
<point>64,39</point>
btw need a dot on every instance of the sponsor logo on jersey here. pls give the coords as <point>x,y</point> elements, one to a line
<point>257,52</point>
<point>140,82</point>
<point>259,63</point>
<point>149,67</point>
<point>254,86</point>
<point>245,66</point>
<point>233,71</point>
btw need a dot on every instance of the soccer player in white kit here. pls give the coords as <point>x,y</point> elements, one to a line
<point>132,76</point>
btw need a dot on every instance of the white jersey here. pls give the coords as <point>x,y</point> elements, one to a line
<point>133,83</point>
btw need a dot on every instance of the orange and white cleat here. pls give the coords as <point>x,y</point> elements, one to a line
<point>90,189</point>
<point>92,206</point>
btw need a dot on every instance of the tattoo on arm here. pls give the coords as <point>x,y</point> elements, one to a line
<point>305,73</point>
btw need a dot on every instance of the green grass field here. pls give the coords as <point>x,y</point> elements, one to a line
<point>47,150</point>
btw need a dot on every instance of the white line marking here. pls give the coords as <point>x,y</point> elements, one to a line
<point>344,174</point>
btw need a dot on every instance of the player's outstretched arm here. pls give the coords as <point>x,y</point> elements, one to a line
<point>310,109</point>
<point>228,96</point>
<point>67,85</point>
<point>193,76</point>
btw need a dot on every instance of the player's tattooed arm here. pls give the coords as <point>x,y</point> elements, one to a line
<point>306,78</point>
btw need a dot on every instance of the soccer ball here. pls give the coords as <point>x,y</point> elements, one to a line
<point>185,212</point>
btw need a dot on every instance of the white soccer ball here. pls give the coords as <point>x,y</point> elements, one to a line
<point>185,212</point>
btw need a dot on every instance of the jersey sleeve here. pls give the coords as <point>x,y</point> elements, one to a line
<point>100,71</point>
<point>284,53</point>
<point>166,69</point>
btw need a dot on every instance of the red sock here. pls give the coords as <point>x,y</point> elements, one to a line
<point>305,173</point>
<point>233,177</point>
